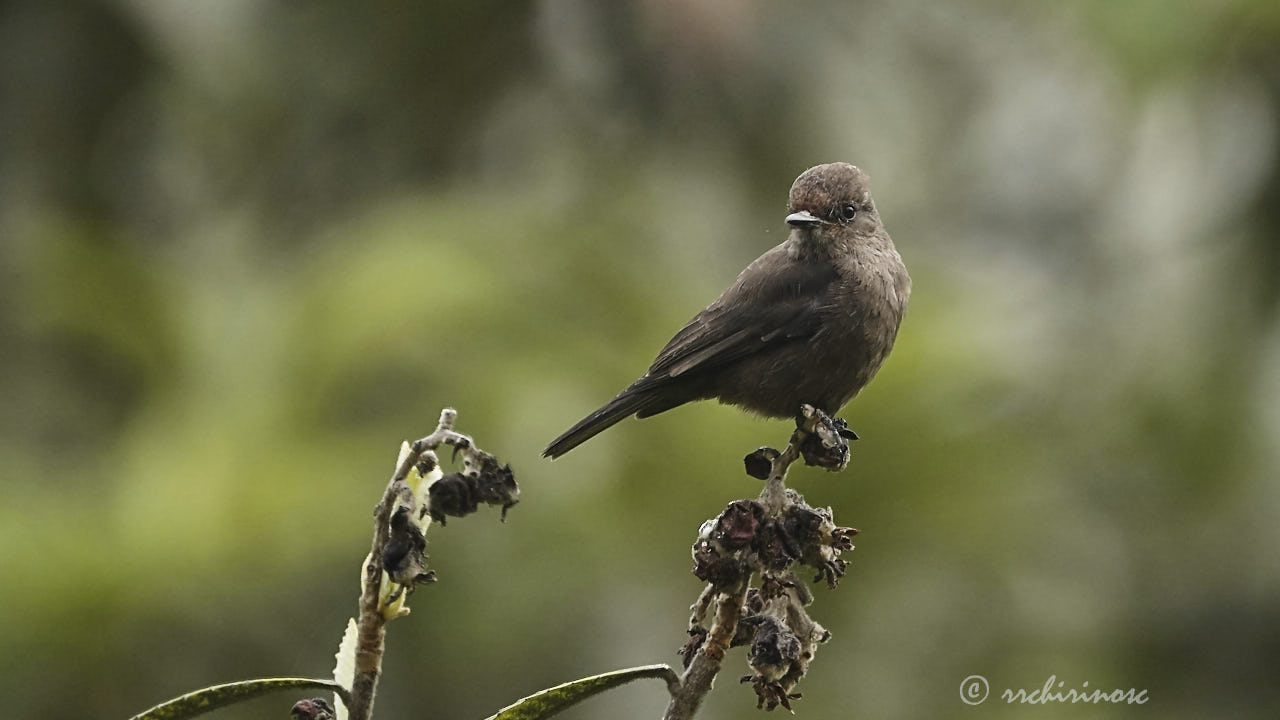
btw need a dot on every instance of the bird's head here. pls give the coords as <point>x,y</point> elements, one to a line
<point>832,198</point>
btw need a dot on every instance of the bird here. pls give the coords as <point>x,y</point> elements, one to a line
<point>808,322</point>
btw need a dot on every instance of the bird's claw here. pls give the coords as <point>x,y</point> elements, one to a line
<point>844,430</point>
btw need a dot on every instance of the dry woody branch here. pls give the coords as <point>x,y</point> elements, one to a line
<point>418,493</point>
<point>765,538</point>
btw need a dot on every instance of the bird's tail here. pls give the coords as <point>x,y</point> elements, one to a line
<point>628,402</point>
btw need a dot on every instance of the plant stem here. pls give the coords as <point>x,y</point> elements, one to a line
<point>701,673</point>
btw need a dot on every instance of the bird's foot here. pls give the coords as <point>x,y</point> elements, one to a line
<point>824,442</point>
<point>843,428</point>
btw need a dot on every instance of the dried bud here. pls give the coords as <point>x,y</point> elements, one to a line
<point>823,548</point>
<point>497,485</point>
<point>811,536</point>
<point>738,524</point>
<point>404,557</point>
<point>712,564</point>
<point>774,550</point>
<point>459,494</point>
<point>452,495</point>
<point>774,647</point>
<point>313,709</point>
<point>697,638</point>
<point>759,464</point>
<point>802,524</point>
<point>776,656</point>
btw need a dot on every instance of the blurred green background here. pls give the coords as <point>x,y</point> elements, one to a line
<point>248,246</point>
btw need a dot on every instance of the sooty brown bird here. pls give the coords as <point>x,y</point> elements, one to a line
<point>809,321</point>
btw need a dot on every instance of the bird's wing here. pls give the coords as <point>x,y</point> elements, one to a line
<point>774,300</point>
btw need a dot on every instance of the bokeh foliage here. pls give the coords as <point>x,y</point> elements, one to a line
<point>247,247</point>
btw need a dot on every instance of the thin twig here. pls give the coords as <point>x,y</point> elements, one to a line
<point>774,495</point>
<point>371,624</point>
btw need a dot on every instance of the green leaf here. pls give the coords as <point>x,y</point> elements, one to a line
<point>217,696</point>
<point>545,703</point>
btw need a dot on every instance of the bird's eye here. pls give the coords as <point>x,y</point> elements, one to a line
<point>848,212</point>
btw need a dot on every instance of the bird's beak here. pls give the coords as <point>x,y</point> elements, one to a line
<point>803,219</point>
